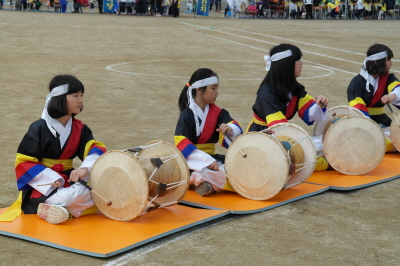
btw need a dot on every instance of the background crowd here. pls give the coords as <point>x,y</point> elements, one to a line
<point>290,9</point>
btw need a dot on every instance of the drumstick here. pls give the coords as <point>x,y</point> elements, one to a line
<point>109,203</point>
<point>391,110</point>
<point>244,155</point>
<point>49,184</point>
<point>232,180</point>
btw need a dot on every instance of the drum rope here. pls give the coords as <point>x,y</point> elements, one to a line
<point>152,199</point>
<point>178,184</point>
<point>161,205</point>
<point>297,141</point>
<point>171,184</point>
<point>306,165</point>
<point>292,185</point>
<point>142,147</point>
<point>281,127</point>
<point>150,145</point>
<point>353,112</point>
<point>152,174</point>
<point>169,157</point>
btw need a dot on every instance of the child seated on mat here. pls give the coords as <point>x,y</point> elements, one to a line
<point>43,166</point>
<point>201,124</point>
<point>374,87</point>
<point>280,96</point>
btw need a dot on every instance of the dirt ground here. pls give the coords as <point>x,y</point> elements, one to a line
<point>134,69</point>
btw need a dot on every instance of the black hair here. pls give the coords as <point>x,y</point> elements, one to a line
<point>378,67</point>
<point>281,76</point>
<point>199,74</point>
<point>58,105</point>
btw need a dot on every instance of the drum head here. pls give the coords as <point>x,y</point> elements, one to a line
<point>354,145</point>
<point>321,127</point>
<point>395,132</point>
<point>118,177</point>
<point>171,171</point>
<point>305,144</point>
<point>263,172</point>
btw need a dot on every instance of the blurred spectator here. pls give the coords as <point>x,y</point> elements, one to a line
<point>293,9</point>
<point>100,4</point>
<point>360,9</point>
<point>308,4</point>
<point>217,5</point>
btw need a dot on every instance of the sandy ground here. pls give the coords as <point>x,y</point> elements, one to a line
<point>134,68</point>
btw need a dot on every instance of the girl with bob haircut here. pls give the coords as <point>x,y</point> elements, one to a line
<point>280,96</point>
<point>43,166</point>
<point>374,87</point>
<point>201,124</point>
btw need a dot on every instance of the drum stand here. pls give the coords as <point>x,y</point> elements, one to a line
<point>161,188</point>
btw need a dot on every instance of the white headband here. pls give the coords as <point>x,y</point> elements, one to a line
<point>198,84</point>
<point>364,73</point>
<point>276,57</point>
<point>57,91</point>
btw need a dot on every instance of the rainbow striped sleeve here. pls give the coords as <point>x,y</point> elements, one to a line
<point>360,105</point>
<point>184,145</point>
<point>394,85</point>
<point>222,140</point>
<point>304,106</point>
<point>94,146</point>
<point>26,168</point>
<point>275,118</point>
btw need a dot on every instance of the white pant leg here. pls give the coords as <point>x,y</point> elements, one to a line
<point>75,199</point>
<point>318,144</point>
<point>215,178</point>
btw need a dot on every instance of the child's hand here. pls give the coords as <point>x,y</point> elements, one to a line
<point>321,101</point>
<point>57,183</point>
<point>224,128</point>
<point>388,98</point>
<point>78,174</point>
<point>213,166</point>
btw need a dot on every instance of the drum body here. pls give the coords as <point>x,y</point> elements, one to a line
<point>172,171</point>
<point>340,111</point>
<point>302,153</point>
<point>354,145</point>
<point>263,172</point>
<point>284,156</point>
<point>395,132</point>
<point>130,181</point>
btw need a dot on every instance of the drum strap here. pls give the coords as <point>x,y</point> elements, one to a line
<point>161,189</point>
<point>157,162</point>
<point>152,208</point>
<point>136,149</point>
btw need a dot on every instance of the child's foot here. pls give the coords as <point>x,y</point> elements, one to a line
<point>52,214</point>
<point>204,189</point>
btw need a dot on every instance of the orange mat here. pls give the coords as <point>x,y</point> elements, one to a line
<point>387,170</point>
<point>392,155</point>
<point>239,205</point>
<point>98,236</point>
